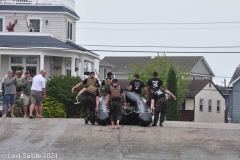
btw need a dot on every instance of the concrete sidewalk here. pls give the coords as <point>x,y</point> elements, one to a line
<point>22,138</point>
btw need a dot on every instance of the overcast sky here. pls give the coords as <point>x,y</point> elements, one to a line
<point>162,11</point>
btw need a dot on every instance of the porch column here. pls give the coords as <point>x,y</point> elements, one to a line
<point>92,67</point>
<point>77,65</point>
<point>82,68</point>
<point>41,62</point>
<point>0,67</point>
<point>73,73</point>
<point>63,66</point>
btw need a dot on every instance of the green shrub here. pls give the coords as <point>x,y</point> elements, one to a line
<point>59,88</point>
<point>53,109</point>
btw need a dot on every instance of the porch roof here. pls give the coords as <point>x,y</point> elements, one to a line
<point>21,41</point>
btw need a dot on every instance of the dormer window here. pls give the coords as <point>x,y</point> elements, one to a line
<point>1,25</point>
<point>69,34</point>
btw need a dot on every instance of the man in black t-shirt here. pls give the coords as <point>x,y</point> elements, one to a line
<point>136,85</point>
<point>90,102</point>
<point>105,86</point>
<point>155,82</point>
<point>159,102</point>
<point>88,81</point>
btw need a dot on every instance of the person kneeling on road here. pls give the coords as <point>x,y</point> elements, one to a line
<point>159,101</point>
<point>90,102</point>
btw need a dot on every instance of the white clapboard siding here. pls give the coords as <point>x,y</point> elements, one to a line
<point>54,26</point>
<point>64,29</point>
<point>74,32</point>
<point>4,65</point>
<point>201,68</point>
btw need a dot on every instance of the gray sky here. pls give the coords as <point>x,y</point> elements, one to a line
<point>162,11</point>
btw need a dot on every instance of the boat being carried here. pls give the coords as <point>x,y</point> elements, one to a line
<point>136,112</point>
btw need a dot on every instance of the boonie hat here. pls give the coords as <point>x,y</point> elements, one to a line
<point>109,74</point>
<point>92,72</point>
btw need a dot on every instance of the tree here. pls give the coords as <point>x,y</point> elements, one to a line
<point>162,65</point>
<point>173,113</point>
<point>59,88</point>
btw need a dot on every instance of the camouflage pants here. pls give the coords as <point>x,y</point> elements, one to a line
<point>88,107</point>
<point>115,110</point>
<point>19,104</point>
<point>160,106</point>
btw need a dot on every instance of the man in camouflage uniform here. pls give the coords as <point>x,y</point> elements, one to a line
<point>114,96</point>
<point>18,100</point>
<point>159,102</point>
<point>91,80</point>
<point>90,102</point>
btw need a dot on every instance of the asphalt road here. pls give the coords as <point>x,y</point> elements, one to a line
<point>71,139</point>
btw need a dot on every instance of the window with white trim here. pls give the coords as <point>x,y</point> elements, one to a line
<point>35,24</point>
<point>1,25</point>
<point>69,31</point>
<point>218,106</point>
<point>209,105</point>
<point>201,105</point>
<point>104,73</point>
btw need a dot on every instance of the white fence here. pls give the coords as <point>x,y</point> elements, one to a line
<point>68,3</point>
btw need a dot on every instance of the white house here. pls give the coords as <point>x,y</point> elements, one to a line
<point>52,44</point>
<point>204,103</point>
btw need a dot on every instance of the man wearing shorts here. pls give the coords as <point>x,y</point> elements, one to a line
<point>26,84</point>
<point>38,93</point>
<point>10,92</point>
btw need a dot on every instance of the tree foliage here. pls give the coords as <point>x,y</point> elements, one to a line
<point>59,88</point>
<point>162,65</point>
<point>173,113</point>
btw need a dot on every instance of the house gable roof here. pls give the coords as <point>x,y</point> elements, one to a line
<point>223,90</point>
<point>104,63</point>
<point>195,86</point>
<point>37,8</point>
<point>187,63</point>
<point>16,41</point>
<point>235,75</point>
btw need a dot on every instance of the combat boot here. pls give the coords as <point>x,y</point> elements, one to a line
<point>160,124</point>
<point>93,122</point>
<point>154,124</point>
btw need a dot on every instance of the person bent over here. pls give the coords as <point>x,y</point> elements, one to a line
<point>159,101</point>
<point>113,100</point>
<point>90,102</point>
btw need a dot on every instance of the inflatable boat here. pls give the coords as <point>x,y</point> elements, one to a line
<point>136,112</point>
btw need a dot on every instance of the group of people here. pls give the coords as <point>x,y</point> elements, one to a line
<point>11,26</point>
<point>115,98</point>
<point>33,93</point>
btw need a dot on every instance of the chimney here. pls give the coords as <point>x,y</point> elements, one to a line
<point>224,82</point>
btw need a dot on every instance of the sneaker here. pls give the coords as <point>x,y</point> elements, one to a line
<point>4,116</point>
<point>12,116</point>
<point>160,124</point>
<point>86,120</point>
<point>154,124</point>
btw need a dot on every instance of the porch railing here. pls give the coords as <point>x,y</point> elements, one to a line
<point>68,3</point>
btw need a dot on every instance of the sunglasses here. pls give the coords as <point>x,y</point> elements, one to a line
<point>27,73</point>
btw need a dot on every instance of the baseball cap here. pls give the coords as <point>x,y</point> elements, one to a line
<point>18,72</point>
<point>136,75</point>
<point>26,72</point>
<point>109,74</point>
<point>114,81</point>
<point>92,72</point>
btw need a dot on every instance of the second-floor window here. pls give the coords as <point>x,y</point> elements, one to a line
<point>209,105</point>
<point>35,24</point>
<point>69,34</point>
<point>1,25</point>
<point>201,105</point>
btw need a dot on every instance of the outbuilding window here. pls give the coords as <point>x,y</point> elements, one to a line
<point>209,105</point>
<point>201,105</point>
<point>218,106</point>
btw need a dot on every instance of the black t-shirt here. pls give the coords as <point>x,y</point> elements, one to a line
<point>85,81</point>
<point>103,82</point>
<point>158,94</point>
<point>89,94</point>
<point>137,86</point>
<point>109,91</point>
<point>155,82</point>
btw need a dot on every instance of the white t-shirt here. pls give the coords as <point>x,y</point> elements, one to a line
<point>38,83</point>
